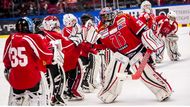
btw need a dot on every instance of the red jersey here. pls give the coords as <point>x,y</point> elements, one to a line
<point>67,31</point>
<point>164,27</point>
<point>149,20</point>
<point>23,55</point>
<point>70,51</point>
<point>121,35</point>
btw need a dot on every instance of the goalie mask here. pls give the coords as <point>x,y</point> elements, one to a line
<point>51,23</point>
<point>25,25</point>
<point>69,20</point>
<point>146,7</point>
<point>171,16</point>
<point>107,16</point>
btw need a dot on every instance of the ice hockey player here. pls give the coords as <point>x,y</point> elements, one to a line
<point>127,37</point>
<point>88,56</point>
<point>23,54</point>
<point>55,72</point>
<point>73,31</point>
<point>167,28</point>
<point>147,17</point>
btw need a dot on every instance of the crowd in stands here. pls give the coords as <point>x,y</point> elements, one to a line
<point>16,8</point>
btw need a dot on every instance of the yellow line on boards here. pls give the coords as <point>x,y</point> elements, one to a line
<point>4,36</point>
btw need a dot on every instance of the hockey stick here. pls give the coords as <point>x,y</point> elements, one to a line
<point>140,69</point>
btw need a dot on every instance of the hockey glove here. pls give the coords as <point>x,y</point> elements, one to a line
<point>76,34</point>
<point>77,38</point>
<point>91,33</point>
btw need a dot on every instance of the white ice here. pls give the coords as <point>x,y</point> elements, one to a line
<point>135,92</point>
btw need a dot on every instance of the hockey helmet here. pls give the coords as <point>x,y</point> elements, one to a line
<point>171,15</point>
<point>50,23</point>
<point>69,20</point>
<point>146,6</point>
<point>25,25</point>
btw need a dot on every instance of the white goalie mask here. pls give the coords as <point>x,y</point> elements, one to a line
<point>51,23</point>
<point>146,7</point>
<point>69,20</point>
<point>171,16</point>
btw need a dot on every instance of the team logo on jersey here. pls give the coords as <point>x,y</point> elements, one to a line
<point>104,33</point>
<point>114,30</point>
<point>121,23</point>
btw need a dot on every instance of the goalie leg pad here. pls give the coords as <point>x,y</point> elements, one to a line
<point>156,83</point>
<point>112,85</point>
<point>151,79</point>
<point>95,70</point>
<point>15,99</point>
<point>45,98</point>
<point>87,81</point>
<point>57,83</point>
<point>172,48</point>
<point>160,55</point>
<point>111,93</point>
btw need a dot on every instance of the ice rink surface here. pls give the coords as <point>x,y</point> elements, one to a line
<point>135,92</point>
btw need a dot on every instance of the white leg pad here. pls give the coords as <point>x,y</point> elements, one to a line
<point>156,83</point>
<point>109,95</point>
<point>172,48</point>
<point>41,97</point>
<point>112,85</point>
<point>15,99</point>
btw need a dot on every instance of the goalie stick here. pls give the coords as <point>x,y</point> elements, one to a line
<point>140,69</point>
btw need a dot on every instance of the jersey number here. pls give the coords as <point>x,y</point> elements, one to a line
<point>118,40</point>
<point>17,57</point>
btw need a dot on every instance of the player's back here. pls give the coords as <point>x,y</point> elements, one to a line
<point>25,58</point>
